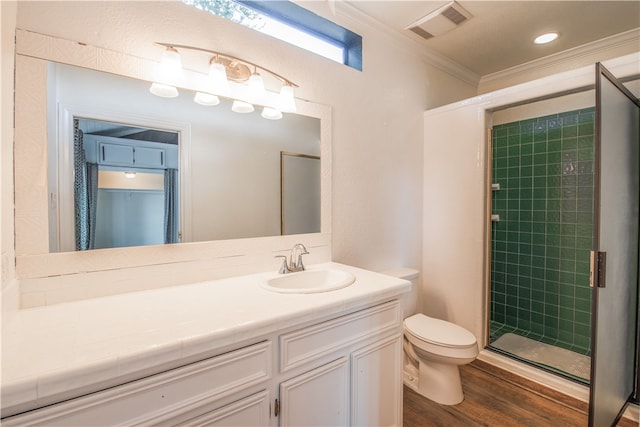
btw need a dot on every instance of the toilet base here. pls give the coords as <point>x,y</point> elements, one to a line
<point>410,376</point>
<point>440,382</point>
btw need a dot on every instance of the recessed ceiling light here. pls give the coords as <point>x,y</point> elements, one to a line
<point>546,38</point>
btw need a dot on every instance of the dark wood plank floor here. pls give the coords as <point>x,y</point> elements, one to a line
<point>494,397</point>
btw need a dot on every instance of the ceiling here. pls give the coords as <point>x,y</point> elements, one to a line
<point>500,34</point>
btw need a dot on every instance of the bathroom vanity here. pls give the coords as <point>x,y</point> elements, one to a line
<point>224,352</point>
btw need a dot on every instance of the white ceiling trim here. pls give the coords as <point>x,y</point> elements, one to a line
<point>563,60</point>
<point>410,45</point>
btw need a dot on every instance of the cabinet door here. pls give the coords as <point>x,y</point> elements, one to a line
<point>252,411</point>
<point>115,154</point>
<point>317,398</point>
<point>376,384</point>
<point>149,157</point>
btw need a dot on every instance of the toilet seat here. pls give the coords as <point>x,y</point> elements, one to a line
<point>439,332</point>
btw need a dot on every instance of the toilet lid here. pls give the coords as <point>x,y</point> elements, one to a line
<point>439,332</point>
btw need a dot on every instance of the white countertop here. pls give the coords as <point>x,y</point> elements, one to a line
<point>62,351</point>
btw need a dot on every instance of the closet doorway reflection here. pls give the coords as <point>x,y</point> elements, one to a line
<point>125,186</point>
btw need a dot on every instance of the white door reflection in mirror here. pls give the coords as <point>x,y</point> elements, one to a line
<point>300,193</point>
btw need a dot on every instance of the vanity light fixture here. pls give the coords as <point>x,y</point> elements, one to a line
<point>170,70</point>
<point>271,113</point>
<point>218,75</point>
<point>130,174</point>
<point>256,87</point>
<point>287,99</point>
<point>206,99</point>
<point>165,91</point>
<point>228,77</point>
<point>242,107</point>
<point>545,38</point>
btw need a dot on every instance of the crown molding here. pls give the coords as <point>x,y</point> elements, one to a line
<point>408,44</point>
<point>567,59</point>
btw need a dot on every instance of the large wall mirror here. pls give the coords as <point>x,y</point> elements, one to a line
<point>214,174</point>
<point>230,184</point>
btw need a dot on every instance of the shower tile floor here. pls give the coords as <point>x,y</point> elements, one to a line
<point>547,353</point>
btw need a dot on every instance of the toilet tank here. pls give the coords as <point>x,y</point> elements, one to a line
<point>410,300</point>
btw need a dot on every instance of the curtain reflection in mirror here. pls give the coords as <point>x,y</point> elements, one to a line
<point>171,221</point>
<point>85,188</point>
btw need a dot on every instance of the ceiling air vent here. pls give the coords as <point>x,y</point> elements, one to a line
<point>441,20</point>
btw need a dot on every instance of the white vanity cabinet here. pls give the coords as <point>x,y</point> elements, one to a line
<point>345,370</point>
<point>351,371</point>
<point>232,386</point>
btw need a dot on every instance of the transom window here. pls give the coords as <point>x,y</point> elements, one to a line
<point>291,23</point>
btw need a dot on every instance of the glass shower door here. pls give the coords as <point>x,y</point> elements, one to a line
<point>614,273</point>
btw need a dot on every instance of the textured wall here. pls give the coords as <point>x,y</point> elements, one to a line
<point>8,285</point>
<point>377,113</point>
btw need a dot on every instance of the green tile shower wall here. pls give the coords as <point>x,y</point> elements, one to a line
<point>540,247</point>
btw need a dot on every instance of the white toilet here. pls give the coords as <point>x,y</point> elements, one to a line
<point>433,350</point>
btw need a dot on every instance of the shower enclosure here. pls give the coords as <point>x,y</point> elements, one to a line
<point>565,193</point>
<point>541,237</point>
<point>564,238</point>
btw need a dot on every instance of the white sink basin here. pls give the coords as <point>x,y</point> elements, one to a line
<point>309,281</point>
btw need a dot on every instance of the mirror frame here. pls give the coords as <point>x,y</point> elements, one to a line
<point>33,259</point>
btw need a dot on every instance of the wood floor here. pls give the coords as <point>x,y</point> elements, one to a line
<point>494,397</point>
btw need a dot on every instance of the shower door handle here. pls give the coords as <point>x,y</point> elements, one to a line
<point>597,269</point>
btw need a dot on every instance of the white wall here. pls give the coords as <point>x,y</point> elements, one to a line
<point>545,107</point>
<point>8,284</point>
<point>454,215</point>
<point>377,113</point>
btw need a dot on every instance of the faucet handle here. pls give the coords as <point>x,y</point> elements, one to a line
<point>284,268</point>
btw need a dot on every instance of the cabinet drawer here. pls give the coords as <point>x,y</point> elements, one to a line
<point>156,398</point>
<point>251,411</point>
<point>308,344</point>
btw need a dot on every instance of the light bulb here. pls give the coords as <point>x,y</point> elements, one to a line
<point>165,91</point>
<point>130,174</point>
<point>287,101</point>
<point>241,107</point>
<point>271,113</point>
<point>218,77</point>
<point>546,38</point>
<point>206,99</point>
<point>256,86</point>
<point>170,64</point>
<point>168,72</point>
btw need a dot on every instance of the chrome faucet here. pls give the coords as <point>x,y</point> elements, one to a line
<point>295,259</point>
